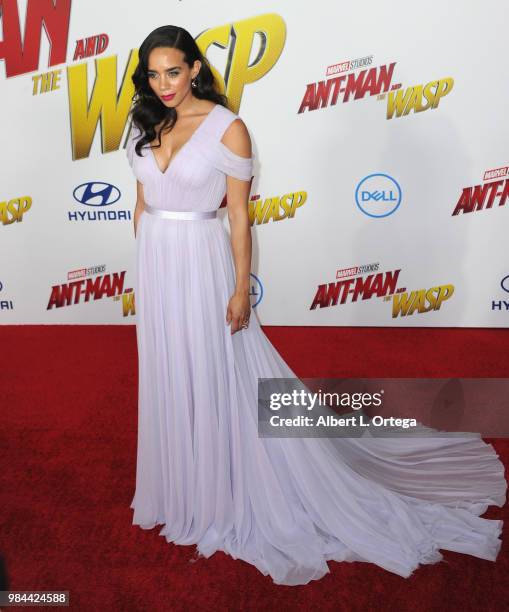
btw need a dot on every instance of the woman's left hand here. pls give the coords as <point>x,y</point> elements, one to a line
<point>238,311</point>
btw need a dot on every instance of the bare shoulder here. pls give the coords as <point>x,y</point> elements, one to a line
<point>236,137</point>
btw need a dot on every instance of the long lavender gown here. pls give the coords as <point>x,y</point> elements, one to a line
<point>285,505</point>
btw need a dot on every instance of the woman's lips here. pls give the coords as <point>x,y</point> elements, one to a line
<point>169,97</point>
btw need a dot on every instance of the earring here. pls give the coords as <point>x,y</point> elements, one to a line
<point>194,83</point>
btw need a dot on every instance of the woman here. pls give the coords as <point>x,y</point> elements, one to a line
<point>285,505</point>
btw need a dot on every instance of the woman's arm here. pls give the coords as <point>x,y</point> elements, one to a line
<point>237,139</point>
<point>140,204</point>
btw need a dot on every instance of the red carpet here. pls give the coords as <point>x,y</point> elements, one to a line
<point>69,449</point>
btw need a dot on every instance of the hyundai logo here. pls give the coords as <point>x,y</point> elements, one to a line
<point>96,193</point>
<point>504,283</point>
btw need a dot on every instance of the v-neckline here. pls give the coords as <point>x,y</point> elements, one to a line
<point>172,159</point>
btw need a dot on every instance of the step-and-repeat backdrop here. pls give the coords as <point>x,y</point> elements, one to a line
<point>380,193</point>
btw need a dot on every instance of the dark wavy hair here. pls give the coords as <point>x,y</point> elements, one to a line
<point>147,110</point>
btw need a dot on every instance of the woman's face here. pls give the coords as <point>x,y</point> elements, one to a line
<point>169,76</point>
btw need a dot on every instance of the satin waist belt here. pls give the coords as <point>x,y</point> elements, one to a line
<point>187,215</point>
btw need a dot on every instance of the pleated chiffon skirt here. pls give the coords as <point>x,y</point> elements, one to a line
<point>284,505</point>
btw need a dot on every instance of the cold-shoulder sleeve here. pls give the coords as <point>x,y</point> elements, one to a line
<point>232,164</point>
<point>131,142</point>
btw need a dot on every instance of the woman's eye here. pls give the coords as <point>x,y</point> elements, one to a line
<point>152,75</point>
